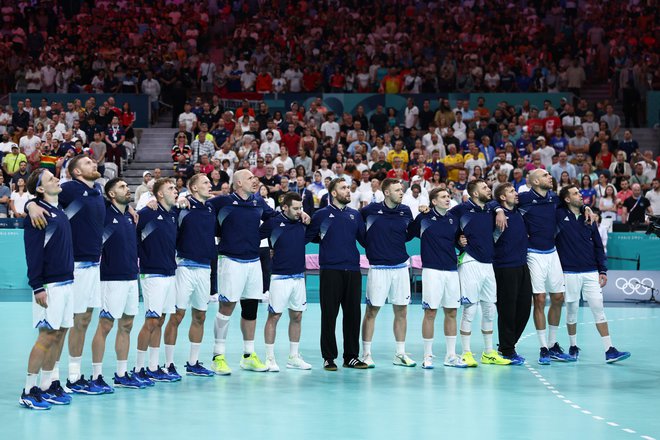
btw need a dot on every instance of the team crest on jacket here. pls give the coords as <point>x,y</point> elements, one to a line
<point>351,216</point>
<point>254,202</point>
<point>451,221</point>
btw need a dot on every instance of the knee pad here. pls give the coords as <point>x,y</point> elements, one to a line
<point>596,306</point>
<point>572,312</point>
<point>249,309</point>
<point>467,317</point>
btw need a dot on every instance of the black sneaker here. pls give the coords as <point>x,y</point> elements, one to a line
<point>355,363</point>
<point>329,365</point>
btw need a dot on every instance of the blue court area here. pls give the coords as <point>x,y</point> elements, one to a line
<point>589,399</point>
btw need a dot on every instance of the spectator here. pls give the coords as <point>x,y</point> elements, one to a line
<point>620,170</point>
<point>11,162</point>
<point>636,208</point>
<point>5,198</point>
<point>653,195</point>
<point>621,196</point>
<point>19,197</point>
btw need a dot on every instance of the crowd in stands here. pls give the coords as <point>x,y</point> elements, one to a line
<point>407,46</point>
<point>439,145</point>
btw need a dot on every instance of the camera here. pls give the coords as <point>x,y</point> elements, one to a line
<point>654,226</point>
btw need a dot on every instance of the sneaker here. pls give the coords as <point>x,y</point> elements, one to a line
<point>468,359</point>
<point>220,366</point>
<point>493,358</point>
<point>297,362</point>
<point>271,365</point>
<point>127,381</point>
<point>83,386</point>
<point>613,355</point>
<point>557,354</point>
<point>455,361</point>
<point>574,352</point>
<point>55,394</point>
<point>355,363</point>
<point>34,400</point>
<point>198,370</point>
<point>65,388</point>
<point>427,363</point>
<point>143,378</point>
<point>515,359</point>
<point>171,371</point>
<point>403,360</point>
<point>160,375</point>
<point>367,359</point>
<point>544,356</point>
<point>253,363</point>
<point>329,365</point>
<point>101,383</point>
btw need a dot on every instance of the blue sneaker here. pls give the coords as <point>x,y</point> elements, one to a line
<point>101,383</point>
<point>56,395</point>
<point>544,356</point>
<point>557,354</point>
<point>127,381</point>
<point>515,359</point>
<point>34,400</point>
<point>142,377</point>
<point>574,352</point>
<point>171,371</point>
<point>83,386</point>
<point>613,355</point>
<point>198,370</point>
<point>159,375</point>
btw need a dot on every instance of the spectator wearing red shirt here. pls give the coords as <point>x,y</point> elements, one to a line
<point>291,140</point>
<point>245,108</point>
<point>264,83</point>
<point>397,171</point>
<point>127,119</point>
<point>338,81</point>
<point>311,80</point>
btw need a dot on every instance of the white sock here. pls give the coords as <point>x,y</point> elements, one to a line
<point>169,355</point>
<point>366,348</point>
<point>30,381</point>
<point>55,375</point>
<point>74,368</point>
<point>219,347</point>
<point>488,342</point>
<point>220,330</point>
<point>248,347</point>
<point>572,340</point>
<point>552,335</point>
<point>400,347</point>
<point>122,367</point>
<point>270,350</point>
<point>45,380</point>
<point>451,345</point>
<point>607,342</point>
<point>154,353</point>
<point>543,342</point>
<point>293,348</point>
<point>465,343</point>
<point>194,353</point>
<point>139,361</point>
<point>97,370</point>
<point>428,347</point>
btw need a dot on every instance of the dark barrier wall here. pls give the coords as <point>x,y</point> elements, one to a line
<point>139,103</point>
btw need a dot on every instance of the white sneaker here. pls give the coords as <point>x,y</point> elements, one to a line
<point>403,360</point>
<point>455,361</point>
<point>427,364</point>
<point>367,359</point>
<point>271,365</point>
<point>298,363</point>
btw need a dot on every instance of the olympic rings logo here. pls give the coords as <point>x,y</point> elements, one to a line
<point>630,286</point>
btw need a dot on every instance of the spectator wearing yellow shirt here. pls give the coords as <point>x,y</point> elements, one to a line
<point>398,152</point>
<point>391,82</point>
<point>453,162</point>
<point>12,161</point>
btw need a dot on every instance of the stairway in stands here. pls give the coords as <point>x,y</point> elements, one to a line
<point>153,152</point>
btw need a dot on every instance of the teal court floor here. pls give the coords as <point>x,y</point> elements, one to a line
<point>587,399</point>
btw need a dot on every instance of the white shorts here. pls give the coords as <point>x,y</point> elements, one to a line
<point>86,286</point>
<point>59,313</point>
<point>238,280</point>
<point>585,283</point>
<point>287,293</point>
<point>159,295</point>
<point>193,287</point>
<point>477,282</point>
<point>119,298</point>
<point>388,284</point>
<point>440,288</point>
<point>546,272</point>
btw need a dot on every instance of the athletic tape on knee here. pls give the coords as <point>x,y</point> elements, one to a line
<point>467,317</point>
<point>572,312</point>
<point>488,312</point>
<point>596,306</point>
<point>249,309</point>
